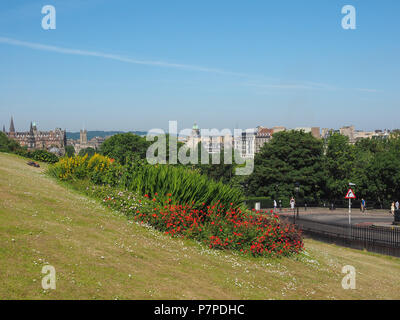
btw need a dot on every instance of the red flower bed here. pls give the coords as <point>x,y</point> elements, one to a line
<point>257,233</point>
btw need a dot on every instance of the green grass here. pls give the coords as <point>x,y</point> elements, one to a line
<point>46,222</point>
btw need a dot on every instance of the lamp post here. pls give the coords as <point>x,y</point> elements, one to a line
<point>396,217</point>
<point>297,189</point>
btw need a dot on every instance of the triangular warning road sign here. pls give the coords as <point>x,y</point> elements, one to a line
<point>350,194</point>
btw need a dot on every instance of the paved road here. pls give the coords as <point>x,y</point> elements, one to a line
<point>355,218</point>
<point>378,217</point>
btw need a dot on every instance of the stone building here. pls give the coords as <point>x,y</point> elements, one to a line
<point>53,141</point>
<point>195,138</point>
<point>245,143</point>
<point>263,136</point>
<point>315,131</point>
<point>278,129</point>
<point>84,143</point>
<point>356,135</point>
<point>349,131</point>
<point>214,143</point>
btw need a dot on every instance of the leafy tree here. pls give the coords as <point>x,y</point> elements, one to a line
<point>89,151</point>
<point>383,174</point>
<point>218,171</point>
<point>290,157</point>
<point>338,165</point>
<point>8,145</point>
<point>69,151</point>
<point>125,147</point>
<point>172,144</point>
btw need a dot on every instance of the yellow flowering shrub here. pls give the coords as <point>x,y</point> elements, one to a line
<point>67,168</point>
<point>98,163</point>
<point>95,168</point>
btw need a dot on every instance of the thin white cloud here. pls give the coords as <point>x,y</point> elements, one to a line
<point>44,47</point>
<point>304,85</point>
<point>368,90</point>
<point>293,86</point>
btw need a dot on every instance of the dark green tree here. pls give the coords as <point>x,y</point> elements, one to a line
<point>87,151</point>
<point>172,146</point>
<point>290,157</point>
<point>383,175</point>
<point>8,145</point>
<point>338,165</point>
<point>69,151</point>
<point>125,147</point>
<point>218,171</point>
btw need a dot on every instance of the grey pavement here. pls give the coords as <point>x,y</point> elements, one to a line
<point>341,216</point>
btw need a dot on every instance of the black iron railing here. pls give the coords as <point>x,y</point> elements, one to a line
<point>384,240</point>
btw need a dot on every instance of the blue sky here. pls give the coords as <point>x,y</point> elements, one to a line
<point>134,65</point>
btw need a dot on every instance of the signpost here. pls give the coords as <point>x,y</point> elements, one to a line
<point>350,195</point>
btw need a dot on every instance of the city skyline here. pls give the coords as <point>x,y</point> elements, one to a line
<point>242,66</point>
<point>11,123</point>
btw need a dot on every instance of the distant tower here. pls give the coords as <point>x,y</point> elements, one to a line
<point>83,137</point>
<point>12,128</point>
<point>34,128</point>
<point>4,128</point>
<point>31,138</point>
<point>195,131</point>
<point>194,139</point>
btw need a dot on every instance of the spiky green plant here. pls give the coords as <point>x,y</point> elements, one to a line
<point>185,185</point>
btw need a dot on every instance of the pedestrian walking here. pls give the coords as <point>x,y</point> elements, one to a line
<point>397,205</point>
<point>392,208</point>
<point>275,206</point>
<point>292,203</point>
<point>363,205</point>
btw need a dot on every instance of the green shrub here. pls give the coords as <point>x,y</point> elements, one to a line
<point>44,156</point>
<point>24,152</point>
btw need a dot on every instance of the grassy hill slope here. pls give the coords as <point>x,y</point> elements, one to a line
<point>98,254</point>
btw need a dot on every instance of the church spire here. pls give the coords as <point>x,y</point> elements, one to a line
<point>12,128</point>
<point>31,130</point>
<point>4,128</point>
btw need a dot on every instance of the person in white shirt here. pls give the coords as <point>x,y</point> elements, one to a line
<point>292,203</point>
<point>275,205</point>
